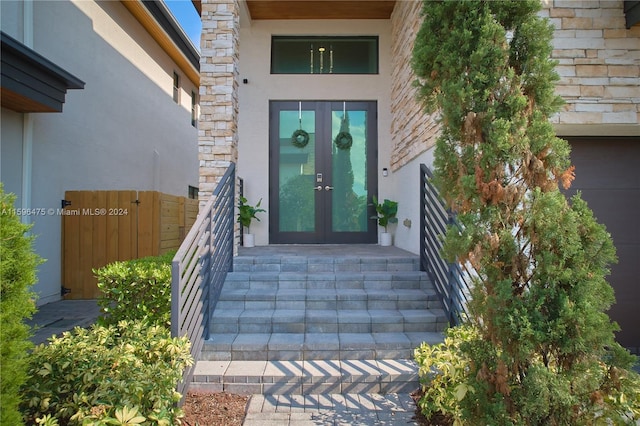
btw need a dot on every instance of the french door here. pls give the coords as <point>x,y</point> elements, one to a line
<point>323,158</point>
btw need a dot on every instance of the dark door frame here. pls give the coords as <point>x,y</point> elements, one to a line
<point>323,233</point>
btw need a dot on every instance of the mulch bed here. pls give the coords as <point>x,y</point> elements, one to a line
<point>214,409</point>
<point>225,409</point>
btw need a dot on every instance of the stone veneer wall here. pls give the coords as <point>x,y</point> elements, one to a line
<point>218,125</point>
<point>412,130</point>
<point>599,62</point>
<point>599,67</point>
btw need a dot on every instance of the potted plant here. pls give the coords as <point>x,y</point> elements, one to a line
<point>387,211</point>
<point>246,213</point>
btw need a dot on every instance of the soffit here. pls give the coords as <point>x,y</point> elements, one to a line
<point>320,9</point>
<point>166,36</point>
<point>316,9</point>
<point>30,82</point>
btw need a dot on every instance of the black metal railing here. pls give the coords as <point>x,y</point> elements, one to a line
<point>452,280</point>
<point>200,267</point>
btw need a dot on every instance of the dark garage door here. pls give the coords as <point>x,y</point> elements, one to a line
<point>608,175</point>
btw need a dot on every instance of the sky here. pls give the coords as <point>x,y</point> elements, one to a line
<point>187,15</point>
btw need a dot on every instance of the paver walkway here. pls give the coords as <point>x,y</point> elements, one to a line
<point>330,410</point>
<point>64,315</point>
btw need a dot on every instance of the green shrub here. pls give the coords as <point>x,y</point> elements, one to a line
<point>102,375</point>
<point>443,369</point>
<point>18,265</point>
<point>136,289</point>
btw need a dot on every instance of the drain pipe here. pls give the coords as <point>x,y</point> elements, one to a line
<point>27,120</point>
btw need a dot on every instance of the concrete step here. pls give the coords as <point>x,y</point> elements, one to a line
<point>308,377</point>
<point>315,346</point>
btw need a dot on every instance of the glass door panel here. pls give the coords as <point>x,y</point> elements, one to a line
<point>350,195</point>
<point>297,169</point>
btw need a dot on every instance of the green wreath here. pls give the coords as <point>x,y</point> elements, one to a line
<point>300,138</point>
<point>344,140</point>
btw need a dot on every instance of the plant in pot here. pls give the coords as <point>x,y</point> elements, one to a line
<point>246,213</point>
<point>386,214</point>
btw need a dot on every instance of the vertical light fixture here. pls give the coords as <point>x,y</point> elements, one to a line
<point>331,59</point>
<point>321,50</point>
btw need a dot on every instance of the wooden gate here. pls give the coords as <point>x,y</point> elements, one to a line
<point>100,227</point>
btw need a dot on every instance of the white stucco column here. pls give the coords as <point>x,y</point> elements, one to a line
<point>218,126</point>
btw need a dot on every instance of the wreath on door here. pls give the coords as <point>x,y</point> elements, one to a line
<point>343,140</point>
<point>300,138</point>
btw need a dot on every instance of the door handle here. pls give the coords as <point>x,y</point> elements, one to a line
<point>328,188</point>
<point>318,188</point>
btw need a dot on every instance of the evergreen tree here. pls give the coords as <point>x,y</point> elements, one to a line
<point>17,274</point>
<point>542,351</point>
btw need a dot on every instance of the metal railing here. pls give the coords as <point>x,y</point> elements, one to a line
<point>452,280</point>
<point>200,267</point>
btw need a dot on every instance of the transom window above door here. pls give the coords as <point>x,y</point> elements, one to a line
<point>324,55</point>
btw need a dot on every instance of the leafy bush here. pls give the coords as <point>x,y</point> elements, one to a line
<point>443,371</point>
<point>136,289</point>
<point>104,375</point>
<point>18,265</point>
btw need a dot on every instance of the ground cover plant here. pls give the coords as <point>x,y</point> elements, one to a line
<point>107,375</point>
<point>538,347</point>
<point>18,263</point>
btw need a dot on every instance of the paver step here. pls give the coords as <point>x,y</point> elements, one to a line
<point>293,324</point>
<point>370,280</point>
<point>327,320</point>
<point>308,377</point>
<point>343,299</point>
<point>331,409</point>
<point>314,346</point>
<point>326,263</point>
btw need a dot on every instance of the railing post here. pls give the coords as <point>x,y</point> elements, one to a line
<point>453,320</point>
<point>175,298</point>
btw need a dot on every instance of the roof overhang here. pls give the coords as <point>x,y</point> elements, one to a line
<point>316,9</point>
<point>161,25</point>
<point>30,82</point>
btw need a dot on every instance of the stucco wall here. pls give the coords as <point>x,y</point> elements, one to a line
<point>11,153</point>
<point>253,127</point>
<point>122,131</point>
